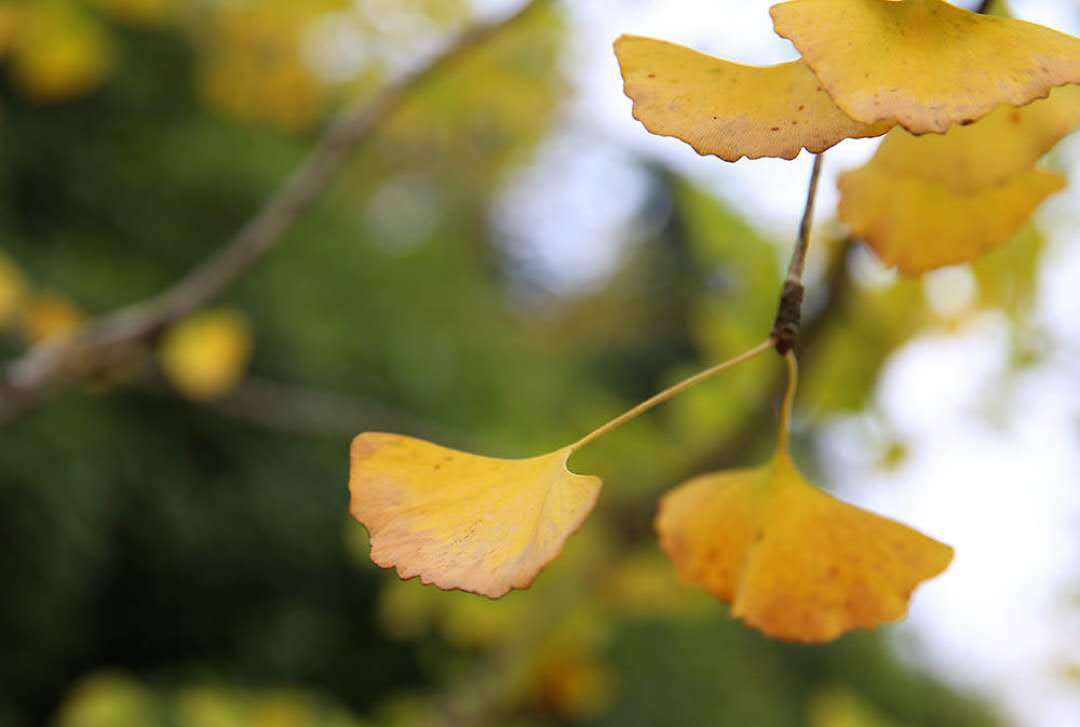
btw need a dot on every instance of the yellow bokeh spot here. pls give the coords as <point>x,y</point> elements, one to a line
<point>207,706</point>
<point>206,355</point>
<point>107,700</point>
<point>842,707</point>
<point>59,52</point>
<point>255,68</point>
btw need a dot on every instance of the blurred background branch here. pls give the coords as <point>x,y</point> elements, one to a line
<point>108,341</point>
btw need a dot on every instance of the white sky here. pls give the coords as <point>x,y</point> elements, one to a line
<point>1004,620</point>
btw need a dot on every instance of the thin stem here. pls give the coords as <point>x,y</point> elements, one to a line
<point>671,393</point>
<point>789,315</point>
<point>789,399</point>
<point>802,246</point>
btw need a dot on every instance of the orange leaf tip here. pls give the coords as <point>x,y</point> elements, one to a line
<point>732,110</point>
<point>461,521</point>
<point>793,561</point>
<point>925,63</point>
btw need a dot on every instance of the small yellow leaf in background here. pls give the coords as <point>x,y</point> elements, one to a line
<point>49,316</point>
<point>462,521</point>
<point>731,110</point>
<point>919,225</point>
<point>925,63</point>
<point>60,52</point>
<point>13,291</point>
<point>793,561</point>
<point>989,152</point>
<point>205,355</point>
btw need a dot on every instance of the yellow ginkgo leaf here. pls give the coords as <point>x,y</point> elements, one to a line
<point>478,524</point>
<point>793,561</point>
<point>462,521</point>
<point>205,355</point>
<point>925,63</point>
<point>919,225</point>
<point>731,110</point>
<point>989,152</point>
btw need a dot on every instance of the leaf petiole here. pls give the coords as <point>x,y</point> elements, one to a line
<point>789,400</point>
<point>671,393</point>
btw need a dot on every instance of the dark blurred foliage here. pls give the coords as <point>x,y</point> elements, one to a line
<point>174,561</point>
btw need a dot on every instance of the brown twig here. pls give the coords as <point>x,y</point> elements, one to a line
<point>789,315</point>
<point>106,340</point>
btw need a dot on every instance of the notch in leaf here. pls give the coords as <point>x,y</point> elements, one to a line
<point>732,110</point>
<point>462,521</point>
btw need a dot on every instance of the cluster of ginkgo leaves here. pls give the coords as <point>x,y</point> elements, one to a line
<point>955,176</point>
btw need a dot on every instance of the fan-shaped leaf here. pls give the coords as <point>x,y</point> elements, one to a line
<point>925,63</point>
<point>731,110</point>
<point>462,521</point>
<point>793,561</point>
